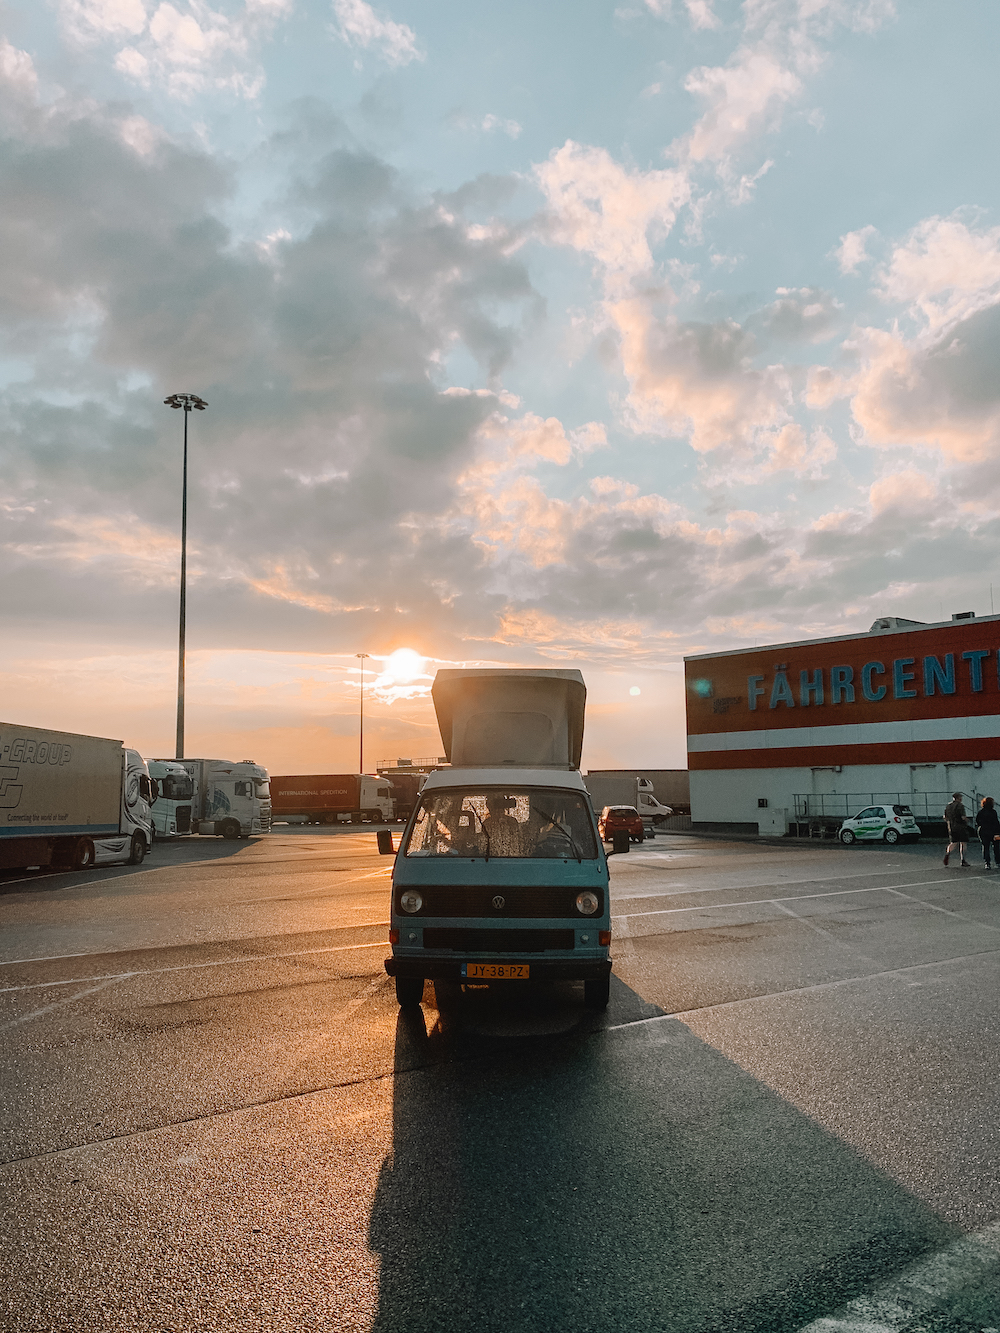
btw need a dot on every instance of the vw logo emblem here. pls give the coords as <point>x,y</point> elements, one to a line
<point>499,902</point>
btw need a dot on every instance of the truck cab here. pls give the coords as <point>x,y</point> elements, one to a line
<point>501,876</point>
<point>174,793</point>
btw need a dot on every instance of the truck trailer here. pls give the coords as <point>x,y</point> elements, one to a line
<point>326,798</point>
<point>71,801</point>
<point>626,789</point>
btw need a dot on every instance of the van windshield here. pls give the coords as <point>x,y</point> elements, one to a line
<point>502,822</point>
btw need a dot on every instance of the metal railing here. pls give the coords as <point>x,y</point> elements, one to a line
<point>837,805</point>
<point>435,761</point>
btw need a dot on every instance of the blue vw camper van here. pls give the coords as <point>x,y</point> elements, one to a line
<point>501,876</point>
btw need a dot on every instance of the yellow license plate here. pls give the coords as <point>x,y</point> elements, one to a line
<point>495,971</point>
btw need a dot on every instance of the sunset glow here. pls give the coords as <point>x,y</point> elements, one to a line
<point>403,666</point>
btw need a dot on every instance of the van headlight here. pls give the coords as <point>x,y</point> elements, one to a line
<point>587,903</point>
<point>411,901</point>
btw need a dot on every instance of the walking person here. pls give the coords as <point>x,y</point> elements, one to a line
<point>959,831</point>
<point>988,823</point>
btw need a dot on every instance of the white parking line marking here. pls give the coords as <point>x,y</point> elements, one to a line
<point>193,967</point>
<point>919,1290</point>
<point>681,1014</point>
<point>800,897</point>
<point>784,883</point>
<point>47,1009</point>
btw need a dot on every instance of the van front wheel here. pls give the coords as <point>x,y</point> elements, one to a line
<point>409,991</point>
<point>596,993</point>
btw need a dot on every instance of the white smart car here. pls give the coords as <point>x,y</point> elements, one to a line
<point>880,823</point>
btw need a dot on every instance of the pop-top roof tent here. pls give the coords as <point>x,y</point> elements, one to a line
<point>518,718</point>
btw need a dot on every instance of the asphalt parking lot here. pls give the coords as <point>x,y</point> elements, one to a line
<point>214,1115</point>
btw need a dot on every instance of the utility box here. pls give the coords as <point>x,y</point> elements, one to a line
<point>511,718</point>
<point>773,821</point>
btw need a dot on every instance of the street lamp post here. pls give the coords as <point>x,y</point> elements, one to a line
<point>361,720</point>
<point>187,401</point>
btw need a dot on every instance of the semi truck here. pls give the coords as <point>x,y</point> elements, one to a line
<point>326,798</point>
<point>71,801</point>
<point>228,799</point>
<point>501,877</point>
<point>173,789</point>
<point>626,789</point>
<point>405,790</point>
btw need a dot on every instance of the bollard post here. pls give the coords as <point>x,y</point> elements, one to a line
<point>619,842</point>
<point>385,846</point>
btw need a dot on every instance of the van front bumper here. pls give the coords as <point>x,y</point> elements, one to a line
<point>447,969</point>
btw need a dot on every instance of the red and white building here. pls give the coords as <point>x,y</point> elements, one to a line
<point>796,732</point>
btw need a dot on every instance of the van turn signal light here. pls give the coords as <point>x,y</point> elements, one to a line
<point>394,936</point>
<point>604,937</point>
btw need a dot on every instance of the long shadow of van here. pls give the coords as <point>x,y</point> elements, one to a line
<point>604,1177</point>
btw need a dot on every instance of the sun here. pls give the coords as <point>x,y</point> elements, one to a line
<point>403,666</point>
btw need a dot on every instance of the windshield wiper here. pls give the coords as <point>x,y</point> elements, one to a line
<point>558,824</point>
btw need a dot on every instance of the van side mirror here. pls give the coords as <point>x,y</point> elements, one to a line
<point>385,846</point>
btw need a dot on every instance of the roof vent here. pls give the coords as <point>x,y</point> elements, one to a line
<point>964,615</point>
<point>893,622</point>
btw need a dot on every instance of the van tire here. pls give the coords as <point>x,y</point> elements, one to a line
<point>230,829</point>
<point>409,991</point>
<point>137,852</point>
<point>597,993</point>
<point>83,855</point>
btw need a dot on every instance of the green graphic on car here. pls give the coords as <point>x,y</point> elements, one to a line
<point>882,823</point>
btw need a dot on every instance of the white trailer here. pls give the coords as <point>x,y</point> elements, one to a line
<point>626,789</point>
<point>230,800</point>
<point>71,801</point>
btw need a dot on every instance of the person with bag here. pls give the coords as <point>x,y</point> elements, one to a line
<point>959,831</point>
<point>988,823</point>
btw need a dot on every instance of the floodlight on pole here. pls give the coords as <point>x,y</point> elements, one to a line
<point>187,401</point>
<point>361,719</point>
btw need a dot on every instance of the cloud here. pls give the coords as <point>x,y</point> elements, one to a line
<point>782,45</point>
<point>361,26</point>
<point>800,314</point>
<point>944,271</point>
<point>906,489</point>
<point>701,14</point>
<point>88,20</point>
<point>931,384</point>
<point>696,378</point>
<point>604,210</point>
<point>330,450</point>
<point>852,251</point>
<point>187,48</point>
<point>791,452</point>
<point>509,127</point>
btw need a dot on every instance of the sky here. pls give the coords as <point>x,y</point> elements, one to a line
<point>532,335</point>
